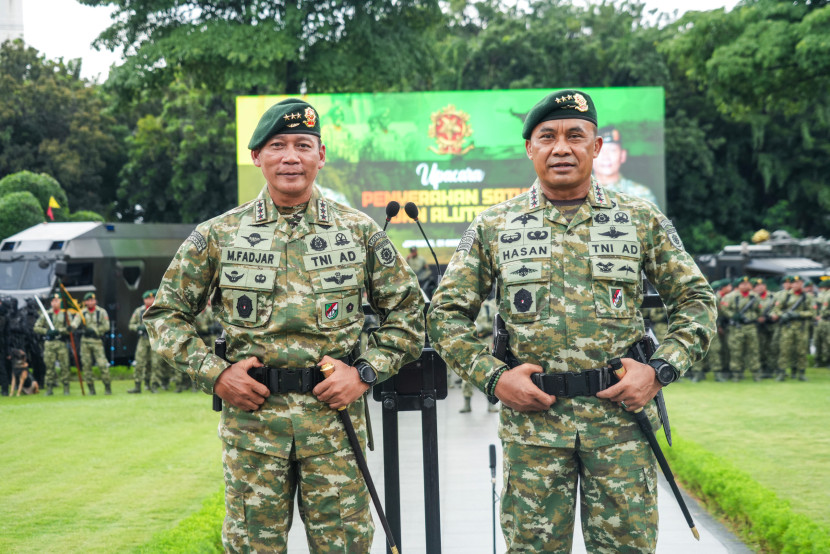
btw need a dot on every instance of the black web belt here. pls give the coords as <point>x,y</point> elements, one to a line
<point>290,379</point>
<point>569,384</point>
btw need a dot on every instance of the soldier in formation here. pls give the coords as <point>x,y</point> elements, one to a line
<point>741,308</point>
<point>94,323</point>
<point>822,334</point>
<point>54,345</point>
<point>146,361</point>
<point>767,347</point>
<point>794,311</point>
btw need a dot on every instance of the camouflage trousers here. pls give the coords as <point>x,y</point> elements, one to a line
<point>743,349</point>
<point>55,350</point>
<point>259,500</point>
<point>713,360</point>
<point>143,360</point>
<point>821,339</point>
<point>92,354</point>
<point>617,489</point>
<point>767,352</point>
<point>794,345</point>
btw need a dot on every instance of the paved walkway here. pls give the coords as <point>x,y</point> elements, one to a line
<point>466,490</point>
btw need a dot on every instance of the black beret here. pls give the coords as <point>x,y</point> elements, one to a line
<point>609,133</point>
<point>562,104</point>
<point>291,116</point>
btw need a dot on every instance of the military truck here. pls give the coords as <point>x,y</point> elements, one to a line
<point>778,255</point>
<point>116,261</point>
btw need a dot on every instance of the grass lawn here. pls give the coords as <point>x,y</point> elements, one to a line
<point>778,433</point>
<point>103,473</point>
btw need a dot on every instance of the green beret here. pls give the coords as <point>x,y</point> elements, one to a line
<point>609,133</point>
<point>291,116</point>
<point>55,295</point>
<point>759,281</point>
<point>740,280</point>
<point>148,294</point>
<point>89,295</point>
<point>562,104</point>
<point>824,281</point>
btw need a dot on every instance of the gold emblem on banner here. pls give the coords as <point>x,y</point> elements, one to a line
<point>449,128</point>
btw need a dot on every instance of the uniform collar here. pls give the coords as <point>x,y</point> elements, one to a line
<point>597,198</point>
<point>318,212</point>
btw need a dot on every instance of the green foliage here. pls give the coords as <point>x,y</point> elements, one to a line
<point>86,215</point>
<point>167,167</point>
<point>199,533</point>
<point>53,122</point>
<point>18,211</point>
<point>42,187</point>
<point>759,514</point>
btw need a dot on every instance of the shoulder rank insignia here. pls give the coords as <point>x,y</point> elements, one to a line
<point>534,197</point>
<point>323,210</point>
<point>599,193</point>
<point>260,211</point>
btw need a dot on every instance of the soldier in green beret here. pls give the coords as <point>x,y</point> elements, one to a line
<point>54,346</point>
<point>567,257</point>
<point>794,312</point>
<point>285,273</point>
<point>741,308</point>
<point>144,366</point>
<point>609,161</point>
<point>94,322</point>
<point>766,330</point>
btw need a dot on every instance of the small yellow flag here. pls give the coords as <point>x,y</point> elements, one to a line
<point>53,203</point>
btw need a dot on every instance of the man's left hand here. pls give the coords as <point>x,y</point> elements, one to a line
<point>342,387</point>
<point>636,388</point>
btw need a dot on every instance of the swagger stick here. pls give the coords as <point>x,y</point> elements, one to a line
<point>326,370</point>
<point>645,427</point>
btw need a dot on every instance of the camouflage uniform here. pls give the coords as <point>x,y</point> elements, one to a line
<point>92,348</point>
<point>570,293</point>
<point>627,186</point>
<point>767,352</point>
<point>822,336</point>
<point>795,332</point>
<point>743,336</point>
<point>54,347</point>
<point>484,330</point>
<point>289,296</point>
<point>144,356</point>
<point>206,327</point>
<point>659,321</point>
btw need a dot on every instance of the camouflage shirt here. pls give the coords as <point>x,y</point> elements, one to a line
<point>735,302</point>
<point>97,321</point>
<point>569,294</point>
<point>136,323</point>
<point>60,321</point>
<point>288,296</point>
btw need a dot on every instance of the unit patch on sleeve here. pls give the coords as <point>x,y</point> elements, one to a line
<point>385,252</point>
<point>671,232</point>
<point>467,241</point>
<point>198,240</point>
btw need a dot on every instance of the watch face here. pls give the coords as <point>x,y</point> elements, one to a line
<point>666,375</point>
<point>367,374</point>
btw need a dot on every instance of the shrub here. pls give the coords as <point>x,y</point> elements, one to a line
<point>18,211</point>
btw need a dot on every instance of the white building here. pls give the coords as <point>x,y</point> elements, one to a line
<point>11,19</point>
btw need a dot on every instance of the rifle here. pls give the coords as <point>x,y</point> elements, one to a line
<point>789,315</point>
<point>738,320</point>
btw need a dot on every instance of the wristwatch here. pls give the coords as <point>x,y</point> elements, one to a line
<point>366,373</point>
<point>666,374</point>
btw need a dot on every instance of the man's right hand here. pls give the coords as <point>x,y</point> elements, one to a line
<point>515,389</point>
<point>239,389</point>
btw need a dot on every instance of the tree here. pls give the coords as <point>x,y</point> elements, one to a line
<point>53,122</point>
<point>181,164</point>
<point>42,186</point>
<point>18,211</point>
<point>279,47</point>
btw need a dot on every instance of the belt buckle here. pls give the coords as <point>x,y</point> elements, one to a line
<point>576,384</point>
<point>560,385</point>
<point>291,380</point>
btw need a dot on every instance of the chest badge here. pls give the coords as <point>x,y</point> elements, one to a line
<point>523,300</point>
